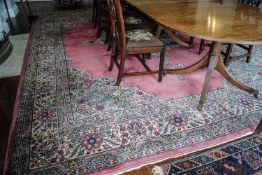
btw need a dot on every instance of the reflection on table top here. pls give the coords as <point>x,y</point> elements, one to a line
<point>217,20</point>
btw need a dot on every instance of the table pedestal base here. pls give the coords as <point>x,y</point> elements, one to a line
<point>214,61</point>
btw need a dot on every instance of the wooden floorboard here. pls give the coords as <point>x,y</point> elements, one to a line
<point>8,88</point>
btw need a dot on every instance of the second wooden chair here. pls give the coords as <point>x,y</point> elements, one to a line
<point>249,48</point>
<point>134,42</point>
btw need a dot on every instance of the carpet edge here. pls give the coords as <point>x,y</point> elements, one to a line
<point>12,130</point>
<point>166,156</point>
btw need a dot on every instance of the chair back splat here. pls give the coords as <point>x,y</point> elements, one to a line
<point>117,23</point>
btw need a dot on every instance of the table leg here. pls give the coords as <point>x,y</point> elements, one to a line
<point>214,57</point>
<point>223,71</point>
<point>216,62</point>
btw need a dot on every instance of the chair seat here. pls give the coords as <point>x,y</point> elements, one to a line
<point>137,42</point>
<point>141,39</point>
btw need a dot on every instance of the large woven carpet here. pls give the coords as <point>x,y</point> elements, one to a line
<point>68,121</point>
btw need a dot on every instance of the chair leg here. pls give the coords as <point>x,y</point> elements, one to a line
<point>109,46</point>
<point>95,13</point>
<point>144,57</point>
<point>107,38</point>
<point>228,53</point>
<point>202,46</point>
<point>94,9</point>
<point>96,22</point>
<point>99,30</point>
<point>158,31</point>
<point>161,64</point>
<point>108,34</point>
<point>111,63</point>
<point>121,68</point>
<point>113,56</point>
<point>250,49</point>
<point>148,56</point>
<point>191,41</point>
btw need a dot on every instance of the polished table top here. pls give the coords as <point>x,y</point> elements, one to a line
<point>225,21</point>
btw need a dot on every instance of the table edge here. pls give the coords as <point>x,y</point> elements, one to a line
<point>198,36</point>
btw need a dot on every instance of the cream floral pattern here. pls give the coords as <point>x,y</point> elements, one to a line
<point>133,20</point>
<point>139,35</point>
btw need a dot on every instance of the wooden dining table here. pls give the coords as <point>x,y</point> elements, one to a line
<point>220,21</point>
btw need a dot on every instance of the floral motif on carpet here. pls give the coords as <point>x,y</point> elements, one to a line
<point>72,123</point>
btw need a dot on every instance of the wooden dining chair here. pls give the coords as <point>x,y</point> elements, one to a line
<point>201,45</point>
<point>134,42</point>
<point>94,13</point>
<point>228,54</point>
<point>101,18</point>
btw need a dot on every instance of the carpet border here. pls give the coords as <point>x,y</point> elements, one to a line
<point>137,164</point>
<point>12,130</point>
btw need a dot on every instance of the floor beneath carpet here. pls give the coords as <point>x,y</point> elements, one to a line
<point>8,88</point>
